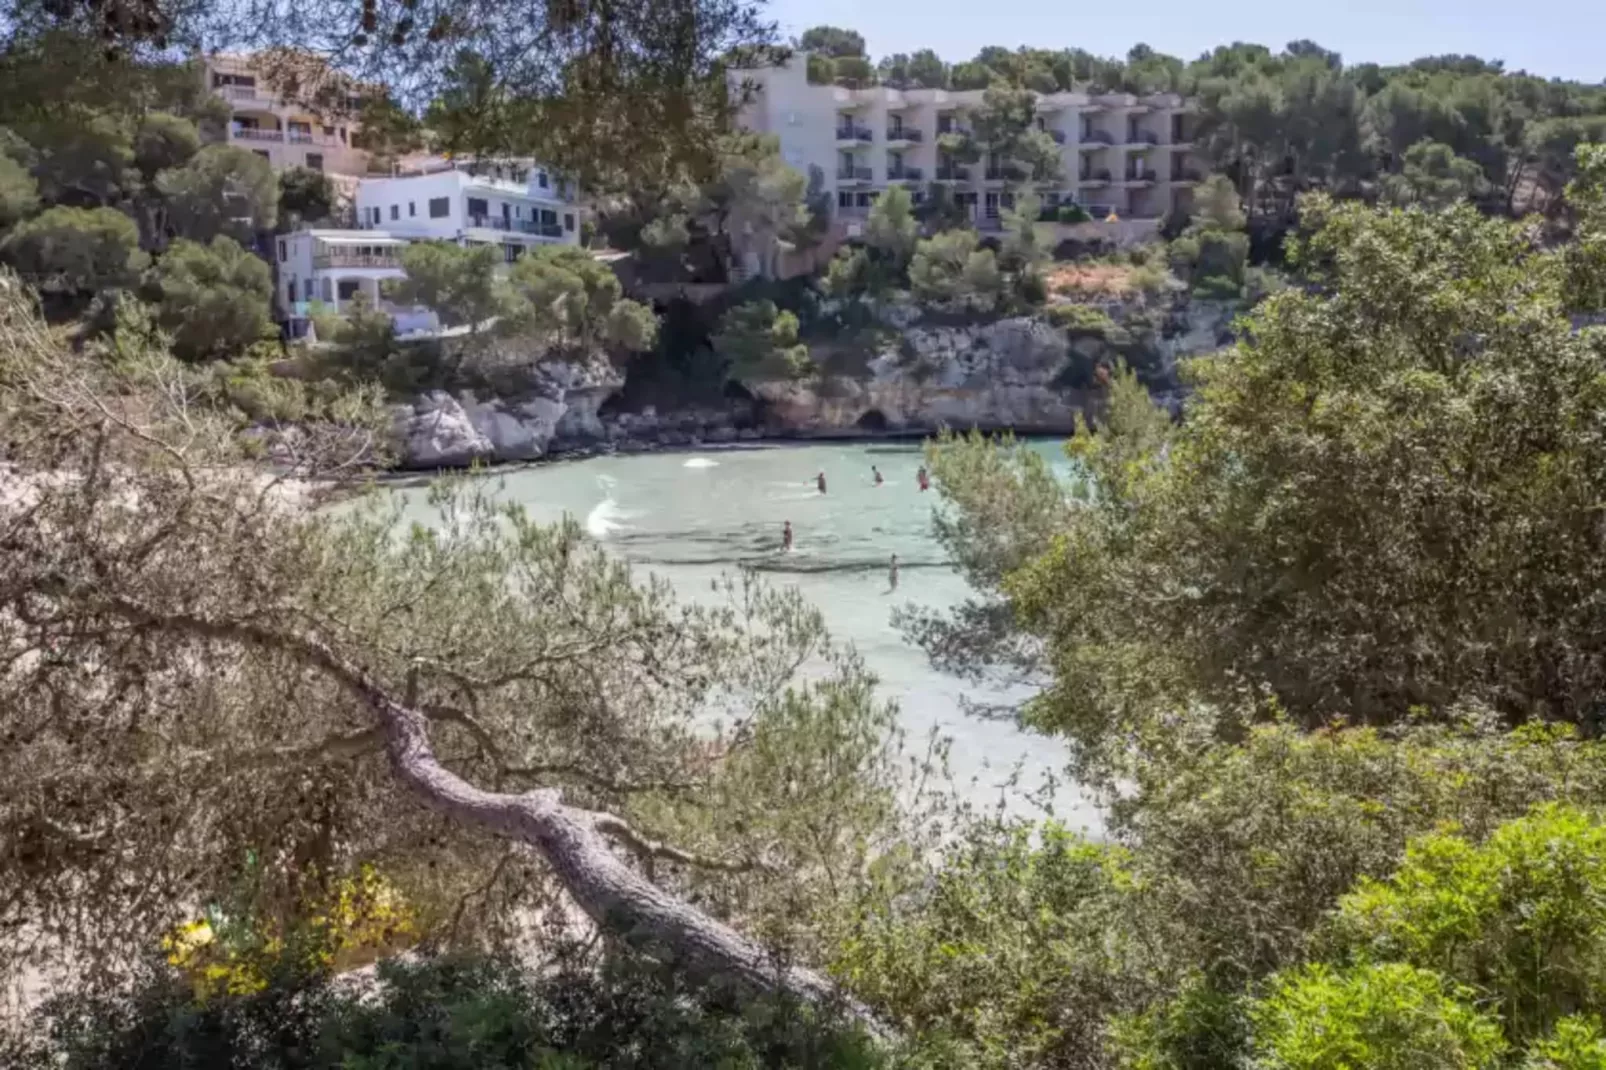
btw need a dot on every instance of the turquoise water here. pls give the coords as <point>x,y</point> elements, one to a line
<point>689,517</point>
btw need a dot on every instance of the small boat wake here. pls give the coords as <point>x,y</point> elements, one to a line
<point>700,462</point>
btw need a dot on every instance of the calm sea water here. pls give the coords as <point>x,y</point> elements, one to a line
<point>690,517</point>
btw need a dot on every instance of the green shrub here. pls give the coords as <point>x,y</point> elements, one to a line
<point>1520,918</point>
<point>1073,213</point>
<point>1081,321</point>
<point>449,1012</point>
<point>1389,1017</point>
<point>1217,288</point>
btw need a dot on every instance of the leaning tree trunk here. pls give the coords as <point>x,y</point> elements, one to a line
<point>575,842</point>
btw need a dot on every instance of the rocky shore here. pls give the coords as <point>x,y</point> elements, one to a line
<point>1021,374</point>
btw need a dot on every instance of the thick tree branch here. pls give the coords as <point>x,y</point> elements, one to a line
<point>644,848</point>
<point>618,898</point>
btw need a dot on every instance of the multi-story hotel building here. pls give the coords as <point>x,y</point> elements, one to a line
<point>288,133</point>
<point>1120,155</point>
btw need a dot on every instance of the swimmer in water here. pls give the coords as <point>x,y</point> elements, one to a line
<point>786,537</point>
<point>819,481</point>
<point>923,479</point>
<point>877,473</point>
<point>892,575</point>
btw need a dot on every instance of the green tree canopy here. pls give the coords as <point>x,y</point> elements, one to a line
<point>1433,177</point>
<point>215,298</point>
<point>19,193</point>
<point>163,141</point>
<point>761,342</point>
<point>224,190</point>
<point>306,198</point>
<point>1294,505</point>
<point>568,299</point>
<point>76,250</point>
<point>832,41</point>
<point>459,283</point>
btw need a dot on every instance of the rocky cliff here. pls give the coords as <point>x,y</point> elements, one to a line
<point>1024,374</point>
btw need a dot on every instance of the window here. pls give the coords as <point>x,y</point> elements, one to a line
<point>844,199</point>
<point>541,180</point>
<point>865,200</point>
<point>549,217</point>
<point>412,209</point>
<point>373,216</point>
<point>440,207</point>
<point>315,161</point>
<point>328,131</point>
<point>478,208</point>
<point>568,220</point>
<point>284,252</point>
<point>395,211</point>
<point>511,253</point>
<point>291,291</point>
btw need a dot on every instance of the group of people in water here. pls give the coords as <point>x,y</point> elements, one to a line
<point>922,477</point>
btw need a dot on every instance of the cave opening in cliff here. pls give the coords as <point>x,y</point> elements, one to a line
<point>874,420</point>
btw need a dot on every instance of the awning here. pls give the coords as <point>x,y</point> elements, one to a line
<point>361,240</point>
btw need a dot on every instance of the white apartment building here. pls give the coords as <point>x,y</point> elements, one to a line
<point>287,133</point>
<point>515,204</point>
<point>1120,154</point>
<point>334,268</point>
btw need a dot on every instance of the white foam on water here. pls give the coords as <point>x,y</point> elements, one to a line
<point>701,462</point>
<point>605,518</point>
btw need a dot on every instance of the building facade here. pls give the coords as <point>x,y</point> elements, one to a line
<point>287,133</point>
<point>515,205</point>
<point>334,268</point>
<point>1121,155</point>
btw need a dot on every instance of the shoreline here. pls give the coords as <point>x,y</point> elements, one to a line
<point>913,439</point>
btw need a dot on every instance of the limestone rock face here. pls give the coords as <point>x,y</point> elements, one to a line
<point>442,430</point>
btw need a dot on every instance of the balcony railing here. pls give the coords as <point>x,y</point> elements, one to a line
<point>1185,174</point>
<point>1142,176</point>
<point>301,137</point>
<point>1097,137</point>
<point>948,126</point>
<point>1007,173</point>
<point>516,226</point>
<point>854,133</point>
<point>853,174</point>
<point>905,133</point>
<point>356,260</point>
<point>953,174</point>
<point>906,173</point>
<point>241,92</point>
<point>252,133</point>
<point>1143,137</point>
<point>1092,177</point>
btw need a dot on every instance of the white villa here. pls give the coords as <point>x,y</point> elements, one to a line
<point>514,205</point>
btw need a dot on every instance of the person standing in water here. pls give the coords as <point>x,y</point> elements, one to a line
<point>786,537</point>
<point>923,479</point>
<point>819,481</point>
<point>876,472</point>
<point>892,574</point>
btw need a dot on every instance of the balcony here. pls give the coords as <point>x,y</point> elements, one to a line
<point>853,174</point>
<point>1186,174</point>
<point>948,126</point>
<point>357,260</point>
<point>1142,137</point>
<point>953,174</point>
<point>1094,178</point>
<point>1095,138</point>
<point>245,93</point>
<point>1058,136</point>
<point>1007,173</point>
<point>905,173</point>
<point>516,226</point>
<point>854,132</point>
<point>905,133</point>
<point>252,133</point>
<point>1142,176</point>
